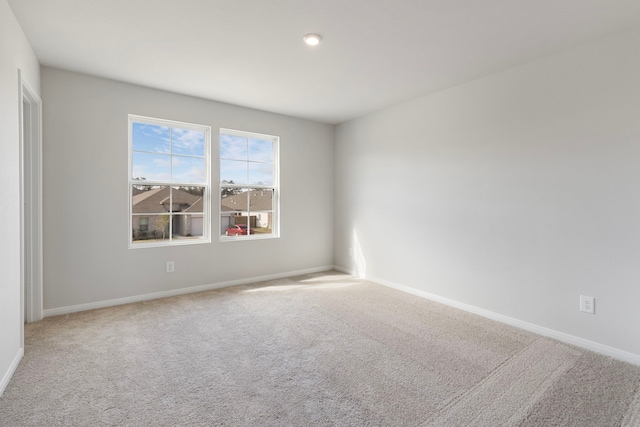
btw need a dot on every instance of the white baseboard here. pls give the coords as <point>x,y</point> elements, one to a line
<point>156,295</point>
<point>531,327</point>
<point>344,270</point>
<point>12,369</point>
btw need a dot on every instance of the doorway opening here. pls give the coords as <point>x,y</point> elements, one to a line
<point>30,203</point>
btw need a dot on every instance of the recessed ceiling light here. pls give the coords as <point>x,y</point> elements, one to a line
<point>312,39</point>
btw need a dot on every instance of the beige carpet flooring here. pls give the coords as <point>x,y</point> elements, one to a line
<point>316,350</point>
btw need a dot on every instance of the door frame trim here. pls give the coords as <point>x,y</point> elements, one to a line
<point>31,250</point>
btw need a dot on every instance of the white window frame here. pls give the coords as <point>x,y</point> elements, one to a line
<point>275,226</point>
<point>206,198</point>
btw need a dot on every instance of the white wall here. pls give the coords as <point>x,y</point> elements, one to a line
<point>86,259</point>
<point>515,193</point>
<point>15,53</point>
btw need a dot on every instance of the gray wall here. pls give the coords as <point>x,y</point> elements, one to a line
<point>15,53</point>
<point>86,259</point>
<point>515,193</point>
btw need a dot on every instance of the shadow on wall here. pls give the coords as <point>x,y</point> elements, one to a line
<point>359,263</point>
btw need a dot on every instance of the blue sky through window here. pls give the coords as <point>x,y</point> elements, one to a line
<point>150,138</point>
<point>151,167</point>
<point>188,142</point>
<point>168,154</point>
<point>246,160</point>
<point>188,169</point>
<point>260,150</point>
<point>261,173</point>
<point>233,147</point>
<point>233,170</point>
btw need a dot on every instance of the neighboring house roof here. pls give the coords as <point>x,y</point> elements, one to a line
<point>257,200</point>
<point>196,206</point>
<point>157,201</point>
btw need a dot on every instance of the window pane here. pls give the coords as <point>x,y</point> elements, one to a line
<point>260,150</point>
<point>261,173</point>
<point>261,211</point>
<point>263,222</point>
<point>234,172</point>
<point>233,147</point>
<point>233,200</point>
<point>239,229</point>
<point>261,200</point>
<point>188,226</point>
<point>151,167</point>
<point>187,199</point>
<point>149,199</point>
<point>152,138</point>
<point>187,141</point>
<point>150,228</point>
<point>238,220</point>
<point>188,169</point>
<point>160,228</point>
<point>233,207</point>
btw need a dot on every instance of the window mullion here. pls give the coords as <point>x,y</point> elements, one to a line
<point>249,212</point>
<point>170,213</point>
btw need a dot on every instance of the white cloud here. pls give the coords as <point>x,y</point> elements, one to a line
<point>164,162</point>
<point>187,141</point>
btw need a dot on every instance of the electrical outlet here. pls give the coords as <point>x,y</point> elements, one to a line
<point>587,304</point>
<point>169,267</point>
<point>350,252</point>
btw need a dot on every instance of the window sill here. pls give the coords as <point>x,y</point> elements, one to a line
<point>147,244</point>
<point>247,238</point>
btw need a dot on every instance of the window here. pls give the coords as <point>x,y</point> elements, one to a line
<point>248,185</point>
<point>169,182</point>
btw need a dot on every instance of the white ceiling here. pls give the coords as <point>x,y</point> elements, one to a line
<point>374,53</point>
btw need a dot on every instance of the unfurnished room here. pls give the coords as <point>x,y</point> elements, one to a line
<point>336,213</point>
